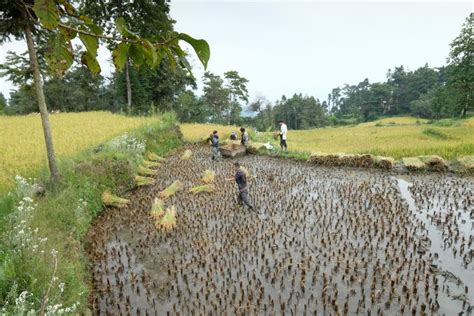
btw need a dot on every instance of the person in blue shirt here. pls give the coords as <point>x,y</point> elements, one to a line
<point>215,146</point>
<point>241,180</point>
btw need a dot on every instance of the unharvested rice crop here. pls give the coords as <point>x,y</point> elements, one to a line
<point>22,143</point>
<point>198,132</point>
<point>395,137</point>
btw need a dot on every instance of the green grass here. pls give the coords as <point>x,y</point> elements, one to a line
<point>437,134</point>
<point>64,216</point>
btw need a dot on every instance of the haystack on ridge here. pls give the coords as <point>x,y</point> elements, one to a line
<point>413,163</point>
<point>434,162</point>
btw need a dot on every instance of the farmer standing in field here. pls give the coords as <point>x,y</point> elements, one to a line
<point>244,138</point>
<point>241,180</point>
<point>283,132</point>
<point>215,146</point>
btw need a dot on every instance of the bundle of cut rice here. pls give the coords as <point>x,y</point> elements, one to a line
<point>146,171</point>
<point>208,176</point>
<point>157,209</point>
<point>413,163</point>
<point>168,222</point>
<point>187,154</point>
<point>153,157</point>
<point>254,147</point>
<point>150,164</point>
<point>113,200</point>
<point>246,171</point>
<point>172,189</point>
<point>203,188</point>
<point>434,162</point>
<point>141,181</point>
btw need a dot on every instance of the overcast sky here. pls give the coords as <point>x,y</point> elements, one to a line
<point>286,47</point>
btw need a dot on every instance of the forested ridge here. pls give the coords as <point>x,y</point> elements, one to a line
<point>426,92</point>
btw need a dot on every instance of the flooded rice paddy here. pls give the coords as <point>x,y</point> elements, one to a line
<point>334,241</point>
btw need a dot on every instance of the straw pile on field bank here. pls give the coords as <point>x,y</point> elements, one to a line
<point>463,164</point>
<point>351,160</point>
<point>435,163</point>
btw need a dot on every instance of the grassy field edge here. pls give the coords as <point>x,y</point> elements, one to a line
<point>43,266</point>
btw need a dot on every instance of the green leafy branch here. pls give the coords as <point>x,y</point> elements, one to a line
<point>60,17</point>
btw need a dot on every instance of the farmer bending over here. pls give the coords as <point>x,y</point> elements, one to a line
<point>241,180</point>
<point>215,146</point>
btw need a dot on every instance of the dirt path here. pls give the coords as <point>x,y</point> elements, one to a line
<point>336,241</point>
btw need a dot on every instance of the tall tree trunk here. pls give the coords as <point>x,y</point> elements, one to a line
<point>129,87</point>
<point>48,138</point>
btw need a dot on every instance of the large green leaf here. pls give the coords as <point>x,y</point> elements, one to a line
<point>91,62</point>
<point>90,42</point>
<point>47,13</point>
<point>200,46</point>
<point>123,29</point>
<point>91,26</point>
<point>68,7</point>
<point>171,58</point>
<point>58,54</point>
<point>120,54</point>
<point>151,56</point>
<point>136,54</point>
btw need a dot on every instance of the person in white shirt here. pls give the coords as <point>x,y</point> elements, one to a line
<point>283,132</point>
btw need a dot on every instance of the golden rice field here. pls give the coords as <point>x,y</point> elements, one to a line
<point>394,137</point>
<point>22,143</point>
<point>195,132</point>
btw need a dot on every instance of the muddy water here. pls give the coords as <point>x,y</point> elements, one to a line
<point>334,241</point>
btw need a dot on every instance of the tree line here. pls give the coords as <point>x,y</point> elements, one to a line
<point>427,92</point>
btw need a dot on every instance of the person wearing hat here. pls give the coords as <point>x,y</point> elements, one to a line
<point>283,132</point>
<point>241,180</point>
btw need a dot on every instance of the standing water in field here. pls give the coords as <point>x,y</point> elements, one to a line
<point>335,240</point>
